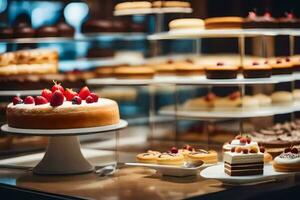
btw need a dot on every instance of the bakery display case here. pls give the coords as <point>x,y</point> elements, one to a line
<point>167,97</point>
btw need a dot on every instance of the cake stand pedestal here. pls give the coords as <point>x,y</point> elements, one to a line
<point>63,155</point>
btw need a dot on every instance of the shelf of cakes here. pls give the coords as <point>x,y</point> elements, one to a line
<point>156,7</point>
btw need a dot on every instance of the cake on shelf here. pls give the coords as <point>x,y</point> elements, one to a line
<point>287,161</point>
<point>221,71</point>
<point>257,70</point>
<point>231,22</point>
<point>186,24</point>
<point>61,108</point>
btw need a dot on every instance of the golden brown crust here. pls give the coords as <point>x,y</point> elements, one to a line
<point>286,167</point>
<point>139,72</point>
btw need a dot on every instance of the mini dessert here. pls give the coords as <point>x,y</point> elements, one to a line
<point>164,69</point>
<point>134,72</point>
<point>282,97</point>
<point>231,101</point>
<point>265,21</point>
<point>208,157</point>
<point>6,32</point>
<point>242,161</point>
<point>263,99</point>
<point>104,72</point>
<point>257,70</point>
<point>201,102</point>
<point>47,31</point>
<point>289,21</point>
<point>148,157</point>
<point>133,5</point>
<point>288,161</point>
<point>188,68</point>
<point>296,94</point>
<point>242,141</point>
<point>281,66</point>
<point>24,32</point>
<point>62,109</point>
<point>296,63</point>
<point>170,159</point>
<point>171,4</point>
<point>221,71</point>
<point>65,30</point>
<point>250,102</point>
<point>224,22</point>
<point>186,150</point>
<point>97,26</point>
<point>189,24</point>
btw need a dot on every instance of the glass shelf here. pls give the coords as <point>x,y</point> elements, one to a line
<point>79,38</point>
<point>222,33</point>
<point>234,113</point>
<point>148,11</point>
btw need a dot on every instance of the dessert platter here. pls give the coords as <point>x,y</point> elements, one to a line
<point>186,161</point>
<point>62,114</point>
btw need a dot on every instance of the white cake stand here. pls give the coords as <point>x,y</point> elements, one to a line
<point>63,155</point>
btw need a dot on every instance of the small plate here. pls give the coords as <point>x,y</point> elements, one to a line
<point>217,172</point>
<point>171,170</point>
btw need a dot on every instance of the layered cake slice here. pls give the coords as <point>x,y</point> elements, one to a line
<point>243,162</point>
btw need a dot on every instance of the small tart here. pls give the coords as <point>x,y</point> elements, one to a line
<point>104,71</point>
<point>226,102</point>
<point>263,99</point>
<point>187,68</point>
<point>221,71</point>
<point>250,102</point>
<point>287,162</point>
<point>148,157</point>
<point>282,97</point>
<point>281,66</point>
<point>198,103</point>
<point>171,4</point>
<point>208,157</point>
<point>223,22</point>
<point>135,72</point>
<point>256,70</point>
<point>133,5</point>
<point>170,159</point>
<point>186,23</point>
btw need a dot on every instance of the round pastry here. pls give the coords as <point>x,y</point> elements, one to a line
<point>188,68</point>
<point>282,97</point>
<point>296,94</point>
<point>65,30</point>
<point>208,157</point>
<point>231,101</point>
<point>250,102</point>
<point>221,71</point>
<point>281,66</point>
<point>97,26</point>
<point>263,99</point>
<point>148,157</point>
<point>200,103</point>
<point>170,159</point>
<point>61,109</point>
<point>134,72</point>
<point>47,31</point>
<point>171,4</point>
<point>6,33</point>
<point>24,32</point>
<point>257,70</point>
<point>103,72</point>
<point>288,161</point>
<point>224,23</point>
<point>133,5</point>
<point>186,24</point>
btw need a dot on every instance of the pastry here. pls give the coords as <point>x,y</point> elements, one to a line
<point>221,71</point>
<point>263,99</point>
<point>264,21</point>
<point>47,31</point>
<point>231,101</point>
<point>189,24</point>
<point>242,161</point>
<point>133,5</point>
<point>282,97</point>
<point>288,161</point>
<point>281,66</point>
<point>104,72</point>
<point>165,69</point>
<point>170,159</point>
<point>171,4</point>
<point>257,70</point>
<point>148,157</point>
<point>250,102</point>
<point>296,94</point>
<point>6,32</point>
<point>134,72</point>
<point>65,30</point>
<point>97,26</point>
<point>62,109</point>
<point>188,68</point>
<point>201,102</point>
<point>224,22</point>
<point>24,32</point>
<point>243,141</point>
<point>288,21</point>
<point>208,157</point>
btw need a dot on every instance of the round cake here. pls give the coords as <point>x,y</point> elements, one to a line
<point>62,109</point>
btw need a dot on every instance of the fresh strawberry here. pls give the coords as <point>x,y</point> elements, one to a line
<point>70,94</point>
<point>248,140</point>
<point>84,93</point>
<point>47,94</point>
<point>17,100</point>
<point>294,150</point>
<point>29,100</point>
<point>245,151</point>
<point>76,100</point>
<point>210,97</point>
<point>89,99</point>
<point>234,95</point>
<point>174,150</point>
<point>94,96</point>
<point>243,140</point>
<point>57,86</point>
<point>57,98</point>
<point>39,100</point>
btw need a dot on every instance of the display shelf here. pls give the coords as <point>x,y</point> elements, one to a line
<point>63,154</point>
<point>78,38</point>
<point>221,33</point>
<point>147,11</point>
<point>233,113</point>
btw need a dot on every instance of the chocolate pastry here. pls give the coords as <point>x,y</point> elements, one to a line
<point>65,30</point>
<point>47,31</point>
<point>6,32</point>
<point>97,26</point>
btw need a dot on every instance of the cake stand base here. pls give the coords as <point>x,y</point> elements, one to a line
<point>63,156</point>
